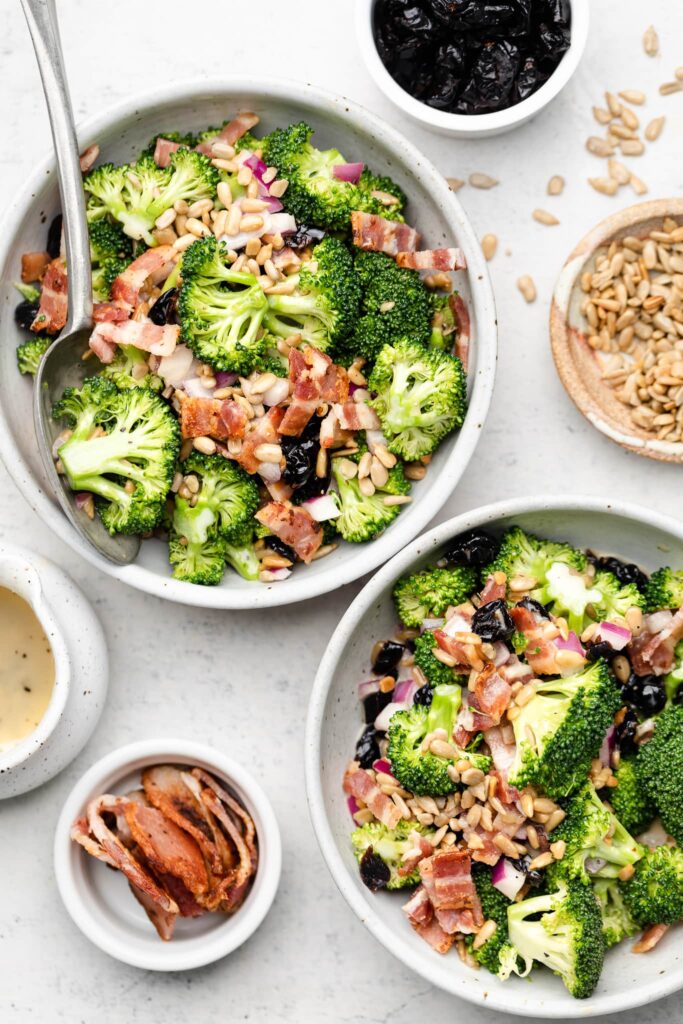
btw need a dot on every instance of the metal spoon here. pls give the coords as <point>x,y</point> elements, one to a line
<point>62,364</point>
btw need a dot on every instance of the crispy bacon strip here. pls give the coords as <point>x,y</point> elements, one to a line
<point>33,266</point>
<point>433,259</point>
<point>492,693</point>
<point>112,312</point>
<point>376,234</point>
<point>358,783</point>
<point>453,885</point>
<point>163,920</point>
<point>494,590</point>
<point>172,792</point>
<point>163,149</point>
<point>52,310</point>
<point>231,132</point>
<point>434,934</point>
<point>211,417</point>
<point>293,525</point>
<point>356,416</point>
<point>314,379</point>
<point>88,157</point>
<point>262,431</point>
<point>650,937</point>
<point>80,833</point>
<point>167,848</point>
<point>462,316</point>
<point>419,907</point>
<point>655,652</point>
<point>142,334</point>
<point>126,288</point>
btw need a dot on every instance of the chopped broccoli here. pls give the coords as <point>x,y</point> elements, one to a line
<point>374,192</point>
<point>220,310</point>
<point>127,362</point>
<point>444,324</point>
<point>31,352</point>
<point>421,397</point>
<point>654,894</point>
<point>592,832</point>
<point>631,804</point>
<point>395,305</point>
<point>110,253</point>
<point>674,678</point>
<point>617,923</point>
<point>497,955</point>
<point>560,730</point>
<point>136,195</point>
<point>523,554</point>
<point>568,595</point>
<point>195,558</point>
<point>117,436</point>
<point>426,773</point>
<point>434,670</point>
<point>427,594</point>
<point>389,845</point>
<point>616,598</point>
<point>324,306</point>
<point>362,518</point>
<point>519,642</point>
<point>248,141</point>
<point>240,553</point>
<point>659,767</point>
<point>28,292</point>
<point>567,937</point>
<point>664,589</point>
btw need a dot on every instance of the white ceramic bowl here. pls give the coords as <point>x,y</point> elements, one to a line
<point>122,133</point>
<point>99,900</point>
<point>334,724</point>
<point>472,126</point>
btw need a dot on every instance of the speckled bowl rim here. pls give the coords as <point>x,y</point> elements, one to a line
<point>458,448</point>
<point>471,125</point>
<point>494,997</point>
<point>237,928</point>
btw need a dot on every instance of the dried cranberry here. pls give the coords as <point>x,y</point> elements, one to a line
<point>280,548</point>
<point>625,735</point>
<point>601,649</point>
<point>367,748</point>
<point>493,622</point>
<point>475,548</point>
<point>374,703</point>
<point>54,237</point>
<point>373,871</point>
<point>25,313</point>
<point>386,662</point>
<point>534,606</point>
<point>164,309</point>
<point>625,572</point>
<point>304,236</point>
<point>424,696</point>
<point>646,693</point>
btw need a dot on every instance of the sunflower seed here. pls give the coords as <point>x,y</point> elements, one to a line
<point>598,146</point>
<point>638,186</point>
<point>601,115</point>
<point>633,96</point>
<point>654,129</point>
<point>555,185</point>
<point>613,104</point>
<point>634,147</point>
<point>629,118</point>
<point>670,87</point>
<point>489,244</point>
<point>478,180</point>
<point>455,184</point>
<point>651,42</point>
<point>616,170</point>
<point>543,217</point>
<point>527,287</point>
<point>608,186</point>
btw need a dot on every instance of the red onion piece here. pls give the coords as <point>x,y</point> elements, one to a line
<point>225,380</point>
<point>348,172</point>
<point>607,747</point>
<point>367,688</point>
<point>270,471</point>
<point>616,636</point>
<point>322,508</point>
<point>502,654</point>
<point>572,643</point>
<point>382,765</point>
<point>352,805</point>
<point>507,878</point>
<point>276,393</point>
<point>81,498</point>
<point>385,715</point>
<point>594,864</point>
<point>405,691</point>
<point>259,168</point>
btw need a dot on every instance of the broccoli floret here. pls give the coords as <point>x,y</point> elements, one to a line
<point>497,955</point>
<point>248,141</point>
<point>659,767</point>
<point>654,894</point>
<point>421,397</point>
<point>31,352</point>
<point>240,552</point>
<point>389,845</point>
<point>129,461</point>
<point>444,324</point>
<point>592,832</point>
<point>29,292</point>
<point>523,554</point>
<point>383,188</point>
<point>617,923</point>
<point>187,139</point>
<point>426,773</point>
<point>122,370</point>
<point>110,253</point>
<point>567,936</point>
<point>137,195</point>
<point>220,309</point>
<point>362,518</point>
<point>427,594</point>
<point>631,803</point>
<point>560,730</point>
<point>664,589</point>
<point>314,195</point>
<point>616,598</point>
<point>674,678</point>
<point>395,305</point>
<point>195,560</point>
<point>434,670</point>
<point>324,306</point>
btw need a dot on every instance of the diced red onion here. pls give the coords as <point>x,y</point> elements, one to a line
<point>405,690</point>
<point>276,393</point>
<point>282,223</point>
<point>607,747</point>
<point>195,389</point>
<point>259,168</point>
<point>225,380</point>
<point>352,805</point>
<point>501,653</point>
<point>658,621</point>
<point>645,729</point>
<point>368,687</point>
<point>270,471</point>
<point>175,368</point>
<point>383,766</point>
<point>322,508</point>
<point>81,498</point>
<point>593,864</point>
<point>430,624</point>
<point>385,715</point>
<point>457,624</point>
<point>277,575</point>
<point>616,636</point>
<point>572,643</point>
<point>507,879</point>
<point>348,172</point>
<point>374,437</point>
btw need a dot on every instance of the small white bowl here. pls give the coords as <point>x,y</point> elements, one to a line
<point>472,126</point>
<point>99,900</point>
<point>334,723</point>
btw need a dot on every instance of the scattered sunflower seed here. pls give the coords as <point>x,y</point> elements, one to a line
<point>478,180</point>
<point>651,42</point>
<point>633,147</point>
<point>555,185</point>
<point>618,171</point>
<point>670,87</point>
<point>613,104</point>
<point>455,184</point>
<point>654,128</point>
<point>630,118</point>
<point>527,287</point>
<point>543,217</point>
<point>638,186</point>
<point>633,96</point>
<point>598,146</point>
<point>489,244</point>
<point>601,115</point>
<point>608,186</point>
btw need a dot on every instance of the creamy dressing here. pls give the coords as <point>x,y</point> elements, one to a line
<point>27,670</point>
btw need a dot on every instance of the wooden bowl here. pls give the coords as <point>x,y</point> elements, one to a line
<point>577,363</point>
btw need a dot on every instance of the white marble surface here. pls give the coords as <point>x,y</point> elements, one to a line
<point>211,675</point>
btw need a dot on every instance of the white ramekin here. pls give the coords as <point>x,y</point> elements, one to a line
<point>472,126</point>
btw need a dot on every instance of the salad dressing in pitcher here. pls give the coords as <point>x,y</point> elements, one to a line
<point>27,669</point>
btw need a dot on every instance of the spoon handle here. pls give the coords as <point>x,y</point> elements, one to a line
<point>42,22</point>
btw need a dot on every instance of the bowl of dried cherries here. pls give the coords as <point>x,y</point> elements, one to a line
<point>471,68</point>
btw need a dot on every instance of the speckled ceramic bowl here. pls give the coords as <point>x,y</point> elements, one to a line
<point>122,133</point>
<point>334,723</point>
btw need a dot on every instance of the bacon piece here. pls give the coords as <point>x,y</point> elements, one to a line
<point>465,654</point>
<point>52,310</point>
<point>654,653</point>
<point>231,132</point>
<point>142,334</point>
<point>524,618</point>
<point>103,349</point>
<point>493,591</point>
<point>423,848</point>
<point>163,920</point>
<point>357,416</point>
<point>503,755</point>
<point>127,286</point>
<point>489,852</point>
<point>434,934</point>
<point>330,431</point>
<point>358,783</point>
<point>261,431</point>
<point>80,833</point>
<point>376,234</point>
<point>462,317</point>
<point>88,157</point>
<point>177,796</point>
<point>241,829</point>
<point>109,312</point>
<point>122,858</point>
<point>492,693</point>
<point>453,885</point>
<point>541,656</point>
<point>163,149</point>
<point>314,379</point>
<point>33,266</point>
<point>433,259</point>
<point>650,937</point>
<point>293,525</point>
<point>419,908</point>
<point>211,417</point>
<point>167,848</point>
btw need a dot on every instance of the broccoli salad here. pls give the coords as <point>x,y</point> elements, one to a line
<point>519,772</point>
<point>274,359</point>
